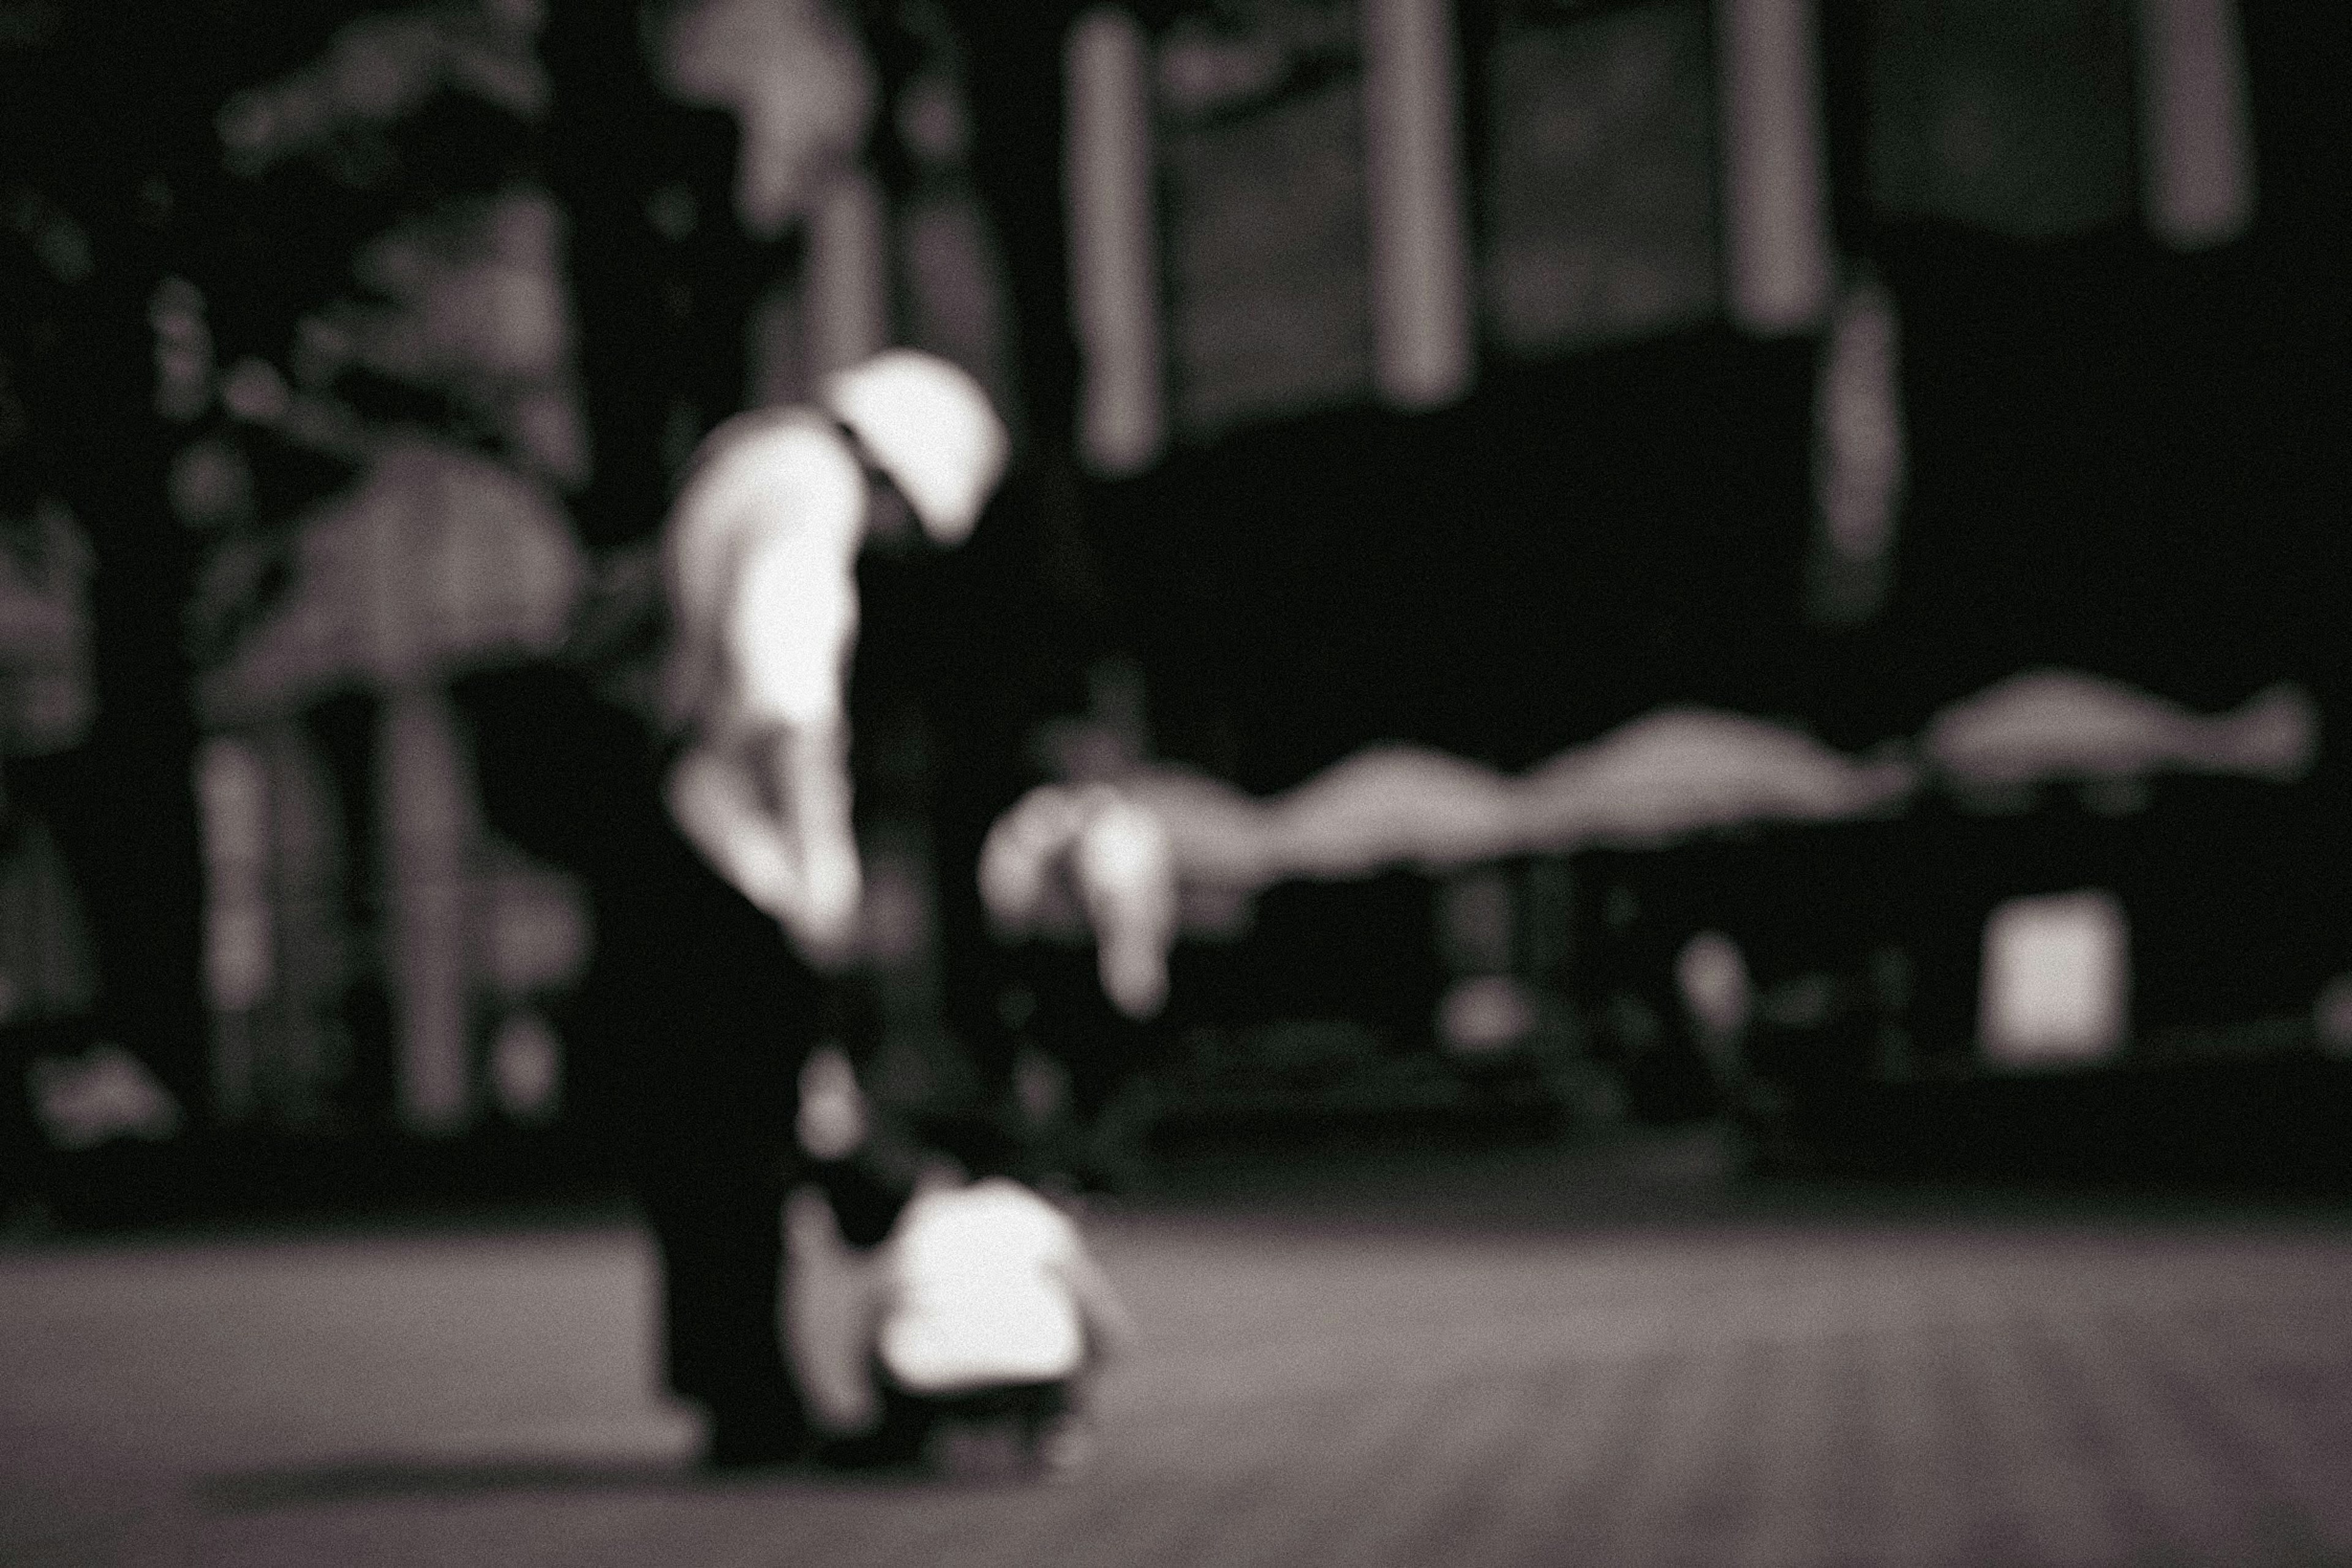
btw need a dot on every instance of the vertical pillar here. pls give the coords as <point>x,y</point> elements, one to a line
<point>1860,460</point>
<point>1413,155</point>
<point>2196,159</point>
<point>1114,272</point>
<point>307,899</point>
<point>426,830</point>
<point>776,351</point>
<point>848,296</point>
<point>1776,221</point>
<point>232,797</point>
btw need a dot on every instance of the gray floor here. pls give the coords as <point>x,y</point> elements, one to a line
<point>1583,1355</point>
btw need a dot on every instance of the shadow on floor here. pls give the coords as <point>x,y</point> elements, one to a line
<point>366,1478</point>
<point>385,1477</point>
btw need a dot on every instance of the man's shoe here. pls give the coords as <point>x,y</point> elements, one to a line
<point>866,1453</point>
<point>737,1446</point>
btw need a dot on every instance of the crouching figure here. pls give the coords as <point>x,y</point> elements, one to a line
<point>991,1320</point>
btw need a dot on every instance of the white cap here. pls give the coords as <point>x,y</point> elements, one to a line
<point>929,428</point>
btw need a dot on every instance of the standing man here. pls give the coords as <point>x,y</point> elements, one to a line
<point>760,558</point>
<point>691,761</point>
<point>714,835</point>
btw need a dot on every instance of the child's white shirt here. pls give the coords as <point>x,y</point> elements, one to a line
<point>976,1291</point>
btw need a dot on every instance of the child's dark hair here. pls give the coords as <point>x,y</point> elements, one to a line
<point>983,1144</point>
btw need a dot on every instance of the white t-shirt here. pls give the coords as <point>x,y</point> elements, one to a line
<point>976,1292</point>
<point>762,557</point>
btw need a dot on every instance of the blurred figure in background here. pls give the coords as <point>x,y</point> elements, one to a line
<point>48,974</point>
<point>48,993</point>
<point>1074,868</point>
<point>1125,853</point>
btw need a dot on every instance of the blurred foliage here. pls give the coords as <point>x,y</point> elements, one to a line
<point>375,264</point>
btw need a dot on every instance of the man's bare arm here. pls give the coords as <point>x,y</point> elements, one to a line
<point>799,867</point>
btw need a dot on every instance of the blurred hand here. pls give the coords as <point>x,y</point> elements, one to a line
<point>774,821</point>
<point>833,1122</point>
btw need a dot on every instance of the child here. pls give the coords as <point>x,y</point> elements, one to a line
<point>989,1313</point>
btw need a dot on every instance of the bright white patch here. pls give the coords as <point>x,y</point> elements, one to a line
<point>930,426</point>
<point>832,1121</point>
<point>1713,978</point>
<point>760,555</point>
<point>526,1067</point>
<point>978,1291</point>
<point>2331,1017</point>
<point>1123,869</point>
<point>1487,1013</point>
<point>2057,979</point>
<point>1127,880</point>
<point>102,1094</point>
<point>789,630</point>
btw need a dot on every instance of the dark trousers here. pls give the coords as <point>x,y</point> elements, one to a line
<point>720,1233</point>
<point>722,1262</point>
<point>909,1418</point>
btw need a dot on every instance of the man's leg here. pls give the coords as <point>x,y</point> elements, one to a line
<point>722,1260</point>
<point>1054,1429</point>
<point>898,1436</point>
